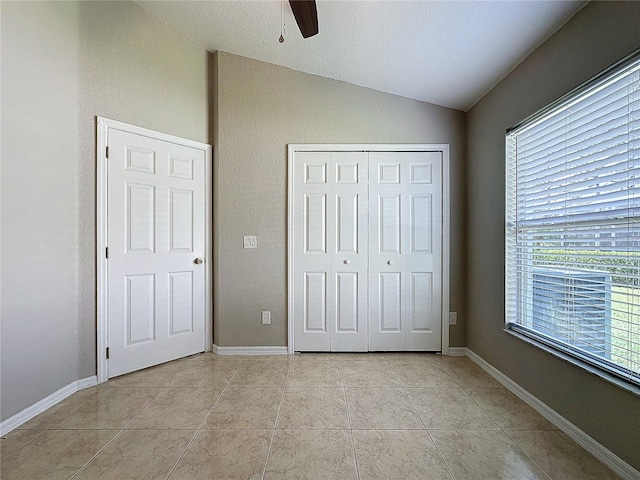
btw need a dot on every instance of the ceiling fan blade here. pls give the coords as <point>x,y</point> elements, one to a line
<point>306,16</point>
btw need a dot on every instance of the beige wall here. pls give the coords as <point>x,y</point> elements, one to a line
<point>63,63</point>
<point>260,109</point>
<point>598,36</point>
<point>134,69</point>
<point>40,81</point>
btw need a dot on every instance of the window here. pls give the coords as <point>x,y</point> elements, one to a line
<point>573,223</point>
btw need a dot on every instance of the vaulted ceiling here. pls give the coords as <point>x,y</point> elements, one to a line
<point>449,53</point>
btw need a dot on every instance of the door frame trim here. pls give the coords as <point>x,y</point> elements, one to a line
<point>446,218</point>
<point>103,125</point>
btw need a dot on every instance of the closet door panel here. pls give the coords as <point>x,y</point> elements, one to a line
<point>312,258</point>
<point>349,255</point>
<point>423,257</point>
<point>387,241</point>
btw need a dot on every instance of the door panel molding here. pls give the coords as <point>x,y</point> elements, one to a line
<point>421,174</point>
<point>144,162</point>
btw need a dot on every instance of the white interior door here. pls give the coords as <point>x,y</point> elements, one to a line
<point>156,251</point>
<point>405,251</point>
<point>330,251</point>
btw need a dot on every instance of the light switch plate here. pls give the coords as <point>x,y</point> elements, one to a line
<point>250,241</point>
<point>453,318</point>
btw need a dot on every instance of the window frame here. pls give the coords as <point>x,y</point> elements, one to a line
<point>610,371</point>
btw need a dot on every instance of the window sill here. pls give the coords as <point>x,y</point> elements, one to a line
<point>617,381</point>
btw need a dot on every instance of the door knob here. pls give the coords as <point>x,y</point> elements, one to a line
<point>346,262</point>
<point>390,262</point>
<point>197,261</point>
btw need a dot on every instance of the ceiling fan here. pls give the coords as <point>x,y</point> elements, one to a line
<point>306,16</point>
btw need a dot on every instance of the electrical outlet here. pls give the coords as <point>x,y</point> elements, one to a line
<point>266,318</point>
<point>453,318</point>
<point>250,241</point>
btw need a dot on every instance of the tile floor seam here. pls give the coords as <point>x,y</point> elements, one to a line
<point>190,442</point>
<point>346,402</point>
<point>97,453</point>
<point>125,427</point>
<point>4,437</point>
<point>441,455</point>
<point>500,429</point>
<point>52,427</point>
<point>275,425</point>
<point>510,438</point>
<point>195,360</point>
<point>425,427</point>
<point>408,397</point>
<point>166,389</point>
<point>480,407</point>
<point>484,410</point>
<point>162,364</point>
<point>526,454</point>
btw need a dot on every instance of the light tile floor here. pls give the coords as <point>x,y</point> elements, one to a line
<point>308,416</point>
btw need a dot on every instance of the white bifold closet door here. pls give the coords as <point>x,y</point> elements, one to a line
<point>405,256</point>
<point>330,228</point>
<point>367,251</point>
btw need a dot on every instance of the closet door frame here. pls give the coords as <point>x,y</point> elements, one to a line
<point>443,148</point>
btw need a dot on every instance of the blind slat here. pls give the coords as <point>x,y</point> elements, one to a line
<point>550,162</point>
<point>571,132</point>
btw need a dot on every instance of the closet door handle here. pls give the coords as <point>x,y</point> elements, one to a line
<point>346,262</point>
<point>390,262</point>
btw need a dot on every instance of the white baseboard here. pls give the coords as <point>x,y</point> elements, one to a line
<point>250,350</point>
<point>37,408</point>
<point>87,382</point>
<point>458,351</point>
<point>599,451</point>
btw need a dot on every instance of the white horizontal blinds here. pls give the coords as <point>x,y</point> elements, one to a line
<point>573,224</point>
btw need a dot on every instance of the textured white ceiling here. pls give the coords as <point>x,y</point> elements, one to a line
<point>445,52</point>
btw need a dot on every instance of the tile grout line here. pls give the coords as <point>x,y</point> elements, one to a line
<point>446,464</point>
<point>186,448</point>
<point>463,389</point>
<point>501,429</point>
<point>404,389</point>
<point>62,419</point>
<point>97,453</point>
<point>275,425</point>
<point>406,393</point>
<point>346,401</point>
<point>140,412</point>
<point>4,456</point>
<point>166,389</point>
<point>525,453</point>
